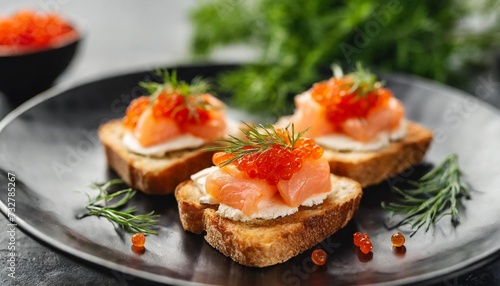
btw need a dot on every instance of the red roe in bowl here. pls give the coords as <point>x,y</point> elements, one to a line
<point>28,30</point>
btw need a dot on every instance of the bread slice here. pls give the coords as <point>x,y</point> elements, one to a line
<point>372,167</point>
<point>260,242</point>
<point>151,175</point>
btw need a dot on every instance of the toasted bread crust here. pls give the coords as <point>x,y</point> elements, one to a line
<point>370,168</point>
<point>261,243</point>
<point>151,175</point>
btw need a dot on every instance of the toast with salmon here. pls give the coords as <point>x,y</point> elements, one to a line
<point>151,174</point>
<point>265,242</point>
<point>159,142</point>
<point>361,126</point>
<point>373,167</point>
<point>269,197</point>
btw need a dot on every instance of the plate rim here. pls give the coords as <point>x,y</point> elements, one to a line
<point>454,270</point>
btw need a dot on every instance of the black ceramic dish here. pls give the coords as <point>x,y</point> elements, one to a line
<point>26,74</point>
<point>50,145</point>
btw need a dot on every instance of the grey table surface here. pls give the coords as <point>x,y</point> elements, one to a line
<point>120,37</point>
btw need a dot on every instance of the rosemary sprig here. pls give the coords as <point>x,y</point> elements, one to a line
<point>437,194</point>
<point>100,206</point>
<point>256,141</point>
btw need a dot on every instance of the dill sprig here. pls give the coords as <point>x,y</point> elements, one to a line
<point>258,139</point>
<point>363,81</point>
<point>171,84</point>
<point>101,206</point>
<point>437,194</point>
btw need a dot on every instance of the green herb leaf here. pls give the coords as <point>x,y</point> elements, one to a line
<point>257,140</point>
<point>437,194</point>
<point>171,84</point>
<point>100,206</point>
<point>363,81</point>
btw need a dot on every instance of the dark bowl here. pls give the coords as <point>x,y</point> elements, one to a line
<point>23,75</point>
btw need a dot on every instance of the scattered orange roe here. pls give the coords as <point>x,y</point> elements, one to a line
<point>365,245</point>
<point>362,240</point>
<point>358,236</point>
<point>318,257</point>
<point>398,239</point>
<point>32,30</point>
<point>138,240</point>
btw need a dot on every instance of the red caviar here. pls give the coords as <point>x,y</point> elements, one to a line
<point>365,246</point>
<point>275,163</point>
<point>29,29</point>
<point>220,157</point>
<point>183,109</point>
<point>138,240</point>
<point>398,239</point>
<point>318,257</point>
<point>342,102</point>
<point>358,236</point>
<point>362,240</point>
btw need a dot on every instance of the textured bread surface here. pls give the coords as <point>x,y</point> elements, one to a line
<point>151,175</point>
<point>372,167</point>
<point>260,242</point>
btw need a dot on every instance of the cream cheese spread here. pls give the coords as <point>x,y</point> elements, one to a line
<point>184,141</point>
<point>180,142</point>
<point>345,143</point>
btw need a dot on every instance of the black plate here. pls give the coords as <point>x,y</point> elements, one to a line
<point>50,144</point>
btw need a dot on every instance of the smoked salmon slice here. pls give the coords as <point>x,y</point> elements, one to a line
<point>174,108</point>
<point>310,114</point>
<point>234,188</point>
<point>379,119</point>
<point>215,127</point>
<point>313,178</point>
<point>152,130</point>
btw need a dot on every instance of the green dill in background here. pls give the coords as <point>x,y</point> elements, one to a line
<point>437,194</point>
<point>298,40</point>
<point>110,206</point>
